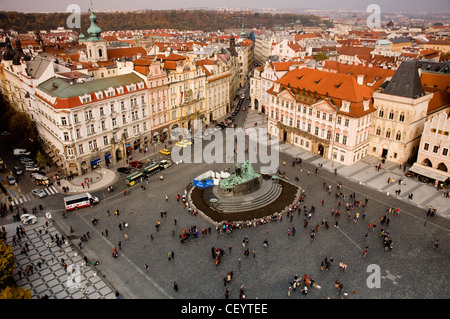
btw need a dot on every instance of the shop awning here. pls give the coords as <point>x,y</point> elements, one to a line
<point>84,166</point>
<point>429,172</point>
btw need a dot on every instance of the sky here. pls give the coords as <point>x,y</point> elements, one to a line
<point>409,6</point>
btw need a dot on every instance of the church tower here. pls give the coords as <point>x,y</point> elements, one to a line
<point>95,45</point>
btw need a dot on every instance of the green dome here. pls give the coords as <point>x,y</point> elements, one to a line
<point>94,30</point>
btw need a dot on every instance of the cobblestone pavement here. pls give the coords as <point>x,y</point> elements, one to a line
<point>49,278</point>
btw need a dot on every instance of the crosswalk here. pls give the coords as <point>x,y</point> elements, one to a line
<point>51,190</point>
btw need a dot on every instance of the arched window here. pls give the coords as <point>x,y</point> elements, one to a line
<point>378,130</point>
<point>100,53</point>
<point>398,137</point>
<point>388,133</point>
<point>381,113</point>
<point>391,115</point>
<point>402,117</point>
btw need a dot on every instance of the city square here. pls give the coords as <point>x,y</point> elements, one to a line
<point>206,154</point>
<point>404,271</point>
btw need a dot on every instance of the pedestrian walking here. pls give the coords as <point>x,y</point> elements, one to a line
<point>146,267</point>
<point>175,286</point>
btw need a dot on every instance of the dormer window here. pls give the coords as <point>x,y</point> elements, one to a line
<point>345,106</point>
<point>99,95</point>
<point>366,105</point>
<point>120,90</point>
<point>85,98</point>
<point>277,87</point>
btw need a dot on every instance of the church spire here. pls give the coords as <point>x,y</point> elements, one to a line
<point>94,30</point>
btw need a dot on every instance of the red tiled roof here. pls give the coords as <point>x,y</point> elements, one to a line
<point>338,87</point>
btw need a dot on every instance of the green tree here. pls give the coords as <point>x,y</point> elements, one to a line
<point>7,263</point>
<point>320,57</point>
<point>14,292</point>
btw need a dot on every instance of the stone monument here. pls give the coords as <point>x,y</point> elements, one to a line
<point>244,180</point>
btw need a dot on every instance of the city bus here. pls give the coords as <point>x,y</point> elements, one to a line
<point>79,201</point>
<point>152,169</point>
<point>134,178</point>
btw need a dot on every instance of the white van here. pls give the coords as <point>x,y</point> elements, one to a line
<point>21,151</point>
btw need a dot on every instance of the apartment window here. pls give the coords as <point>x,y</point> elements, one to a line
<point>134,115</point>
<point>309,128</point>
<point>63,121</point>
<point>318,114</point>
<point>398,136</point>
<point>125,133</point>
<point>310,111</point>
<point>339,120</point>
<point>426,146</point>
<point>338,136</point>
<point>78,133</point>
<point>102,112</point>
<point>103,125</point>
<point>114,122</point>
<point>402,117</point>
<point>70,151</point>
<point>80,149</point>
<point>381,113</point>
<point>445,152</point>
<point>435,149</point>
<point>75,118</point>
<point>92,145</point>
<point>347,122</point>
<point>124,118</point>
<point>330,117</point>
<point>328,135</point>
<point>88,114</point>
<point>122,105</point>
<point>66,136</point>
<point>90,129</point>
<point>105,140</point>
<point>316,131</point>
<point>344,139</point>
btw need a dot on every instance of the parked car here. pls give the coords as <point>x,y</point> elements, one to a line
<point>38,192</point>
<point>32,168</point>
<point>11,179</point>
<point>21,151</point>
<point>124,170</point>
<point>18,170</point>
<point>136,164</point>
<point>26,160</point>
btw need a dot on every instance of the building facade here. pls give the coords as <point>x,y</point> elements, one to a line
<point>401,113</point>
<point>326,115</point>
<point>433,158</point>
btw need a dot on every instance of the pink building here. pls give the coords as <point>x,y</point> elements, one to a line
<point>158,90</point>
<point>433,160</point>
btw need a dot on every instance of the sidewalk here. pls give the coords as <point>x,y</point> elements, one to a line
<point>49,278</point>
<point>103,177</point>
